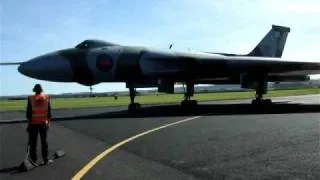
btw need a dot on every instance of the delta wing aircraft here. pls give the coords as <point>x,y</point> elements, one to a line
<point>96,61</point>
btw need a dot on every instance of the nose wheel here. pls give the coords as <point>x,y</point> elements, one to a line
<point>91,88</point>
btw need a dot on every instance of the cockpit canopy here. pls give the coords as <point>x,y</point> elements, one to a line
<point>91,43</point>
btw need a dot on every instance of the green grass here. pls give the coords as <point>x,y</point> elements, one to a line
<point>70,103</point>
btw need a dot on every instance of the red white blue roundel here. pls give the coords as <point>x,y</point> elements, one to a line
<point>104,62</point>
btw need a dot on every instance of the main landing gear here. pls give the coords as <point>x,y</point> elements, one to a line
<point>133,106</point>
<point>189,92</point>
<point>261,89</point>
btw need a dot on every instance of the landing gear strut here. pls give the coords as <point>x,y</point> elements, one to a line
<point>261,89</point>
<point>91,95</point>
<point>133,106</point>
<point>189,92</point>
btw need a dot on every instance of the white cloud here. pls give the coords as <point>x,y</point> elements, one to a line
<point>302,7</point>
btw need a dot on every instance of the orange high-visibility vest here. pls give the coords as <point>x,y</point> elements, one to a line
<point>39,104</point>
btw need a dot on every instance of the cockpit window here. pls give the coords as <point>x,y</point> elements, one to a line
<point>88,44</point>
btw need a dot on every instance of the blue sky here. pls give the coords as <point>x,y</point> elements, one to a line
<point>235,26</point>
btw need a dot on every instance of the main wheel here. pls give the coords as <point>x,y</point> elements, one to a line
<point>268,101</point>
<point>189,103</point>
<point>134,106</point>
<point>261,102</point>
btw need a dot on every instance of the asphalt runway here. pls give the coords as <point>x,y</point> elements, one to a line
<point>231,140</point>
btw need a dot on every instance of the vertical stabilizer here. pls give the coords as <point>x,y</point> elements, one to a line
<point>272,45</point>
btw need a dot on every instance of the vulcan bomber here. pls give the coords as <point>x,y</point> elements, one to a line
<point>96,61</point>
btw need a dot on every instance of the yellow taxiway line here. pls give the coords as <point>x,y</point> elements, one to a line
<point>94,161</point>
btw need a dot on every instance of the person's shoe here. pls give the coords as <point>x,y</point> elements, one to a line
<point>50,161</point>
<point>33,162</point>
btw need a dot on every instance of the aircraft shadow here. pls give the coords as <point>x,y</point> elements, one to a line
<point>204,110</point>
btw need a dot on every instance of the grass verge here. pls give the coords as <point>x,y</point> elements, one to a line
<point>71,103</point>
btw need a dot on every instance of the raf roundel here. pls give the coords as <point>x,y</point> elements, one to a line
<point>104,63</point>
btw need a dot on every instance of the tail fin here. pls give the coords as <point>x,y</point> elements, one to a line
<point>273,43</point>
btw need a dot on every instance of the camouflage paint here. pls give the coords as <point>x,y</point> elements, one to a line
<point>128,64</point>
<point>78,61</point>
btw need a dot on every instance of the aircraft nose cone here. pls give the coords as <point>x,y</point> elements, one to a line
<point>49,67</point>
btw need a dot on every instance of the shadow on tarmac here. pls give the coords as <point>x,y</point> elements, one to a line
<point>203,110</point>
<point>10,170</point>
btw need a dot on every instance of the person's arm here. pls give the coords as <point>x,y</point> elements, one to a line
<point>49,111</point>
<point>28,113</point>
<point>29,110</point>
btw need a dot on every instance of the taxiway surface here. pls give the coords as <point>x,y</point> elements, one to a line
<point>231,140</point>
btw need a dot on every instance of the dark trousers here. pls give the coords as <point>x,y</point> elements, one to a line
<point>34,130</point>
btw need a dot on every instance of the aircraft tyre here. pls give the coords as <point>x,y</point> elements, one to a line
<point>189,103</point>
<point>133,107</point>
<point>261,102</point>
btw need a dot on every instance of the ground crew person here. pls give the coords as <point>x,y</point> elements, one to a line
<point>38,115</point>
